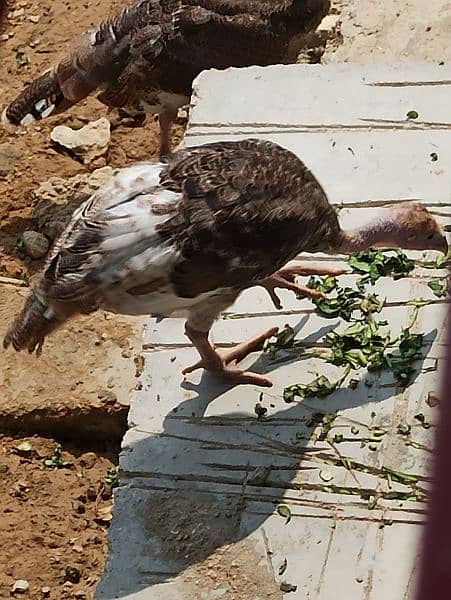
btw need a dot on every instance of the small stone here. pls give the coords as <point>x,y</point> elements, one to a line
<point>81,508</point>
<point>107,397</point>
<point>329,23</point>
<point>87,143</point>
<point>88,460</point>
<point>18,13</point>
<point>9,155</point>
<point>20,586</point>
<point>91,493</point>
<point>80,594</point>
<point>45,591</point>
<point>126,354</point>
<point>34,18</point>
<point>35,243</point>
<point>4,37</point>
<point>72,574</point>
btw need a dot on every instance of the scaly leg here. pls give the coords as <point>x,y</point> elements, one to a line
<point>225,365</point>
<point>286,276</point>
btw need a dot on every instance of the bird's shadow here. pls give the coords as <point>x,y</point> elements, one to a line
<point>188,482</point>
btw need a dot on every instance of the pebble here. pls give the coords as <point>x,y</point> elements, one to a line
<point>36,244</point>
<point>107,397</point>
<point>20,586</point>
<point>34,18</point>
<point>72,574</point>
<point>91,493</point>
<point>45,591</point>
<point>88,460</point>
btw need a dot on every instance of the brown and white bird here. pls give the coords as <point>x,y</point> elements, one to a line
<point>187,237</point>
<point>145,59</point>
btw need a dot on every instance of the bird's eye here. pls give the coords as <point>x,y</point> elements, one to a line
<point>430,236</point>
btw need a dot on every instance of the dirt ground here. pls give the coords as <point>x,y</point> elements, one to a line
<point>80,386</point>
<point>53,521</point>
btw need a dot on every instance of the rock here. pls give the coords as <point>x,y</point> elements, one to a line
<point>36,245</point>
<point>107,397</point>
<point>87,143</point>
<point>91,493</point>
<point>34,18</point>
<point>72,574</point>
<point>9,155</point>
<point>20,586</point>
<point>45,591</point>
<point>329,23</point>
<point>88,460</point>
<point>56,199</point>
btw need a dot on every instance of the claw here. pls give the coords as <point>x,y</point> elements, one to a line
<point>225,366</point>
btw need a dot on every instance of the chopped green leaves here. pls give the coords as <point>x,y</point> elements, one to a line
<point>378,263</point>
<point>438,287</point>
<point>281,341</point>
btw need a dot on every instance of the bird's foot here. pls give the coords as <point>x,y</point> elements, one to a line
<point>225,366</point>
<point>285,278</point>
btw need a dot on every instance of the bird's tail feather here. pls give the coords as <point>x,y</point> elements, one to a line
<point>38,100</point>
<point>32,325</point>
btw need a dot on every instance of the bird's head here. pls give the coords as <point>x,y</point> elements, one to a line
<point>414,228</point>
<point>406,225</point>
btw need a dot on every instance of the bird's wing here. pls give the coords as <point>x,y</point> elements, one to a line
<point>248,207</point>
<point>111,241</point>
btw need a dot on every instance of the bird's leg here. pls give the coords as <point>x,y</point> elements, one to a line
<point>166,118</point>
<point>286,278</point>
<point>225,365</point>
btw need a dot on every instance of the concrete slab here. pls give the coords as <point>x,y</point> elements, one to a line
<point>201,477</point>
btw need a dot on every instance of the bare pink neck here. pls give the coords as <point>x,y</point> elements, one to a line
<point>381,231</point>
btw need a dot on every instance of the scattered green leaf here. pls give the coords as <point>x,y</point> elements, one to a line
<point>283,340</point>
<point>354,430</point>
<point>404,429</point>
<point>434,156</point>
<point>412,114</point>
<point>326,475</point>
<point>284,511</point>
<point>438,287</point>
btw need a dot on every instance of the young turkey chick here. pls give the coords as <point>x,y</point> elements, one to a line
<point>187,237</point>
<point>146,58</point>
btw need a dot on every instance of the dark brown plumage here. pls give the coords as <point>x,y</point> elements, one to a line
<point>184,239</point>
<point>145,58</point>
